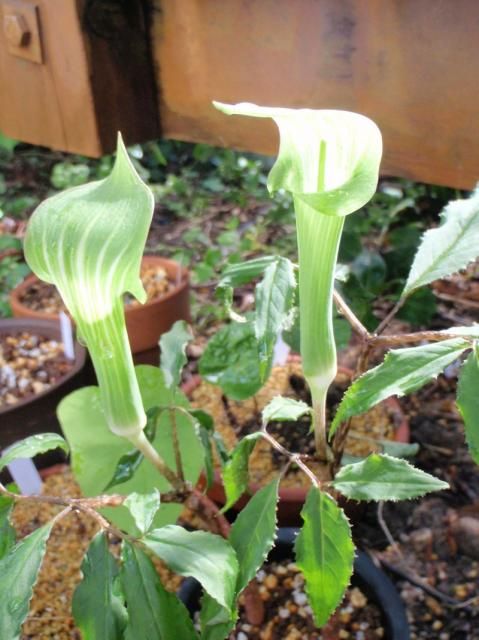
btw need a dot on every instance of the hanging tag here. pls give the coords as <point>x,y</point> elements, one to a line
<point>67,336</point>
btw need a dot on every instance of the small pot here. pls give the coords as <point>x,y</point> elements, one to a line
<point>292,498</point>
<point>367,576</point>
<point>145,323</point>
<point>37,414</point>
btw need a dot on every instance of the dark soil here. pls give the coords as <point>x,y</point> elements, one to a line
<point>29,364</point>
<point>436,557</point>
<point>288,615</point>
<point>294,435</point>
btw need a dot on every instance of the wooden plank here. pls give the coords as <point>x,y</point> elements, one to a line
<point>411,65</point>
<point>95,78</point>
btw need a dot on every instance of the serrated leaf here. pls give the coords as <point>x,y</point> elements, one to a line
<point>199,554</point>
<point>32,446</point>
<point>274,299</point>
<point>382,477</point>
<point>403,371</point>
<point>468,402</point>
<point>19,572</point>
<point>253,532</point>
<point>280,409</point>
<point>450,247</point>
<point>231,360</point>
<point>173,352</point>
<point>97,608</point>
<point>143,508</point>
<point>324,553</point>
<point>153,612</point>
<point>235,471</point>
<point>7,532</point>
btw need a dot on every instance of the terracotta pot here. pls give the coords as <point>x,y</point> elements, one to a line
<point>372,581</point>
<point>37,414</point>
<point>145,323</point>
<point>292,498</point>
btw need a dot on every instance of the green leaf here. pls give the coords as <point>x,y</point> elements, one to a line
<point>216,621</point>
<point>353,146</point>
<point>231,360</point>
<point>143,507</point>
<point>153,612</point>
<point>450,247</point>
<point>19,572</point>
<point>284,409</point>
<point>125,468</point>
<point>97,608</point>
<point>173,352</point>
<point>274,300</point>
<point>399,449</point>
<point>95,451</point>
<point>381,477</point>
<point>235,471</point>
<point>7,532</point>
<point>468,402</point>
<point>32,446</point>
<point>89,241</point>
<point>199,554</point>
<point>253,532</point>
<point>241,273</point>
<point>403,371</point>
<point>324,553</point>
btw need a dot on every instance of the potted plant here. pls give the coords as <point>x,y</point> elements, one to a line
<point>137,446</point>
<point>35,374</point>
<point>167,286</point>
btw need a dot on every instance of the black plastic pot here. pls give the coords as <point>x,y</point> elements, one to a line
<point>373,582</point>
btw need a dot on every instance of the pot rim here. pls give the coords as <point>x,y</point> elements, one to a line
<point>10,325</point>
<point>17,305</point>
<point>298,494</point>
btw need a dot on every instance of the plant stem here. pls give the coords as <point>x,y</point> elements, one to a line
<point>141,442</point>
<point>176,445</point>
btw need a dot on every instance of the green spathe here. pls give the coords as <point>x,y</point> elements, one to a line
<point>89,241</point>
<point>329,161</point>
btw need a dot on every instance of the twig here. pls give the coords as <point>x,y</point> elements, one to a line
<point>408,338</point>
<point>350,316</point>
<point>384,323</point>
<point>422,584</point>
<point>386,530</point>
<point>294,457</point>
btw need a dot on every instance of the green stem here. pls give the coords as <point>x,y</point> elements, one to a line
<point>319,236</point>
<point>107,342</point>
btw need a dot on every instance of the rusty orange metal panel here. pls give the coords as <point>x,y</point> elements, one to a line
<point>74,72</point>
<point>411,65</point>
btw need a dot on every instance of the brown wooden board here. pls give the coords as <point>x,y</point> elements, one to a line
<point>411,65</point>
<point>93,77</point>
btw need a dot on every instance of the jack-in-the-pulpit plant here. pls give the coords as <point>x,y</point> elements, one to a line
<point>88,241</point>
<point>137,446</point>
<point>329,161</point>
